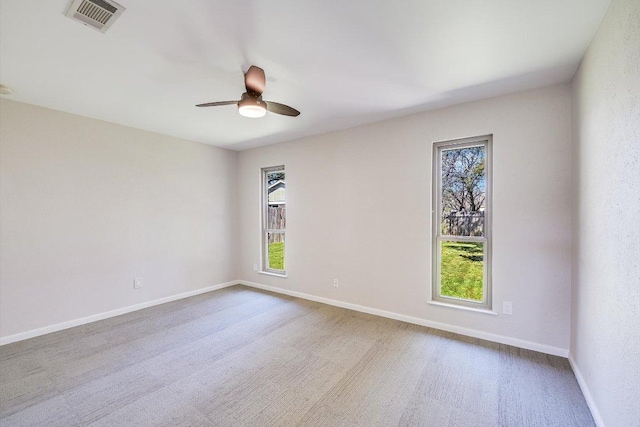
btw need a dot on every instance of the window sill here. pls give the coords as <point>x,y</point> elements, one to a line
<point>268,273</point>
<point>462,307</point>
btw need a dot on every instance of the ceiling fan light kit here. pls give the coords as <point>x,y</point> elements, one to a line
<point>251,104</point>
<point>252,107</point>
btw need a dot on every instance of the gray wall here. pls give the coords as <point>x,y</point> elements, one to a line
<point>359,209</point>
<point>87,205</point>
<point>605,332</point>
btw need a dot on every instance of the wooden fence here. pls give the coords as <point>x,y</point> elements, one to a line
<point>463,224</point>
<point>276,220</point>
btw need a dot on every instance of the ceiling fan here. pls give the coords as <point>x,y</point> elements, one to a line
<point>251,104</point>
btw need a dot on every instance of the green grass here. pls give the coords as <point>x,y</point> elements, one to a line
<point>461,270</point>
<point>276,256</point>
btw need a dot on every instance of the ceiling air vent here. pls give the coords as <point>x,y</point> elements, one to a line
<point>98,14</point>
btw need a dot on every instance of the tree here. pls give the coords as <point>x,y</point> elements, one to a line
<point>463,180</point>
<point>273,177</point>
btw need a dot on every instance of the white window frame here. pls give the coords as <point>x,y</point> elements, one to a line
<point>480,141</point>
<point>265,231</point>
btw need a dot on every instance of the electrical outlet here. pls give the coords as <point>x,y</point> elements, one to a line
<point>336,283</point>
<point>137,283</point>
<point>255,267</point>
<point>507,307</point>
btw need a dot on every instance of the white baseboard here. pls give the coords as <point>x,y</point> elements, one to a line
<point>375,311</point>
<point>543,348</point>
<point>585,391</point>
<point>107,314</point>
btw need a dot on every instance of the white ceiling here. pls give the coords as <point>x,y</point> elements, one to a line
<point>340,62</point>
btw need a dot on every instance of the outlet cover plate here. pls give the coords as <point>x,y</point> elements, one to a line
<point>507,307</point>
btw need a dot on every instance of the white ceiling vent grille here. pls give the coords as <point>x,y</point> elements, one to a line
<point>98,14</point>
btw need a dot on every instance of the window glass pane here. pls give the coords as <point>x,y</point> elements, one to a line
<point>275,251</point>
<point>463,191</point>
<point>461,270</point>
<point>276,196</point>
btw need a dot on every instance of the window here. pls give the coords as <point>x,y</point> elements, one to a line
<point>462,222</point>
<point>273,220</point>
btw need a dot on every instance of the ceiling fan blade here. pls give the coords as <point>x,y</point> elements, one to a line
<point>285,110</point>
<point>254,80</point>
<point>213,104</point>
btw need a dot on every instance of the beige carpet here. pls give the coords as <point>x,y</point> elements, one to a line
<point>243,357</point>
